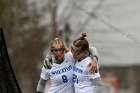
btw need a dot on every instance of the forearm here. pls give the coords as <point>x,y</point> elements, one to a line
<point>93,64</point>
<point>94,60</point>
<point>41,86</point>
<point>93,53</point>
<point>97,85</point>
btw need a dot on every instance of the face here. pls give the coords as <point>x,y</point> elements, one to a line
<point>58,51</point>
<point>77,53</point>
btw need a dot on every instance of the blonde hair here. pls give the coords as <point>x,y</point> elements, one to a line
<point>61,42</point>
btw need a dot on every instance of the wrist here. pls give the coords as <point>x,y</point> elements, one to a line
<point>95,58</point>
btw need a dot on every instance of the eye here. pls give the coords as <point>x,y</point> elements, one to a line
<point>57,49</point>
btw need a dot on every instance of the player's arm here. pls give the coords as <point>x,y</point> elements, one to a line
<point>44,75</point>
<point>94,55</point>
<point>41,85</point>
<point>42,81</point>
<point>97,85</point>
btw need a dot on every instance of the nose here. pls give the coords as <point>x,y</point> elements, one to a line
<point>58,52</point>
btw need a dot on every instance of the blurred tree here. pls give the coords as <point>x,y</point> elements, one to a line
<point>67,32</point>
<point>2,7</point>
<point>28,27</point>
<point>54,4</point>
<point>25,40</point>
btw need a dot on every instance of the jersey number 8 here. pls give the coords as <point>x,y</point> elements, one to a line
<point>64,78</point>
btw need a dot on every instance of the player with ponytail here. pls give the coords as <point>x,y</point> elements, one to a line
<point>84,82</point>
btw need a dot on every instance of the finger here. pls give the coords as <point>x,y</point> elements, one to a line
<point>96,70</point>
<point>89,65</point>
<point>92,70</point>
<point>89,68</point>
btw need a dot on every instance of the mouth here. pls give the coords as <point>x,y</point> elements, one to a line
<point>58,57</point>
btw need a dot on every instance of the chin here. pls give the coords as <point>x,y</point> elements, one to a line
<point>59,57</point>
<point>75,57</point>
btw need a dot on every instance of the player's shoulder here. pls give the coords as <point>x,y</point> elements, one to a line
<point>68,54</point>
<point>87,60</point>
<point>94,48</point>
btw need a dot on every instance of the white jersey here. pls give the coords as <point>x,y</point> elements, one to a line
<point>61,76</point>
<point>82,78</point>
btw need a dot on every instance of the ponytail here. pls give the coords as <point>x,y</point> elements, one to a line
<point>81,42</point>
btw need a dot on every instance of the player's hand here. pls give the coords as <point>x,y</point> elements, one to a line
<point>92,66</point>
